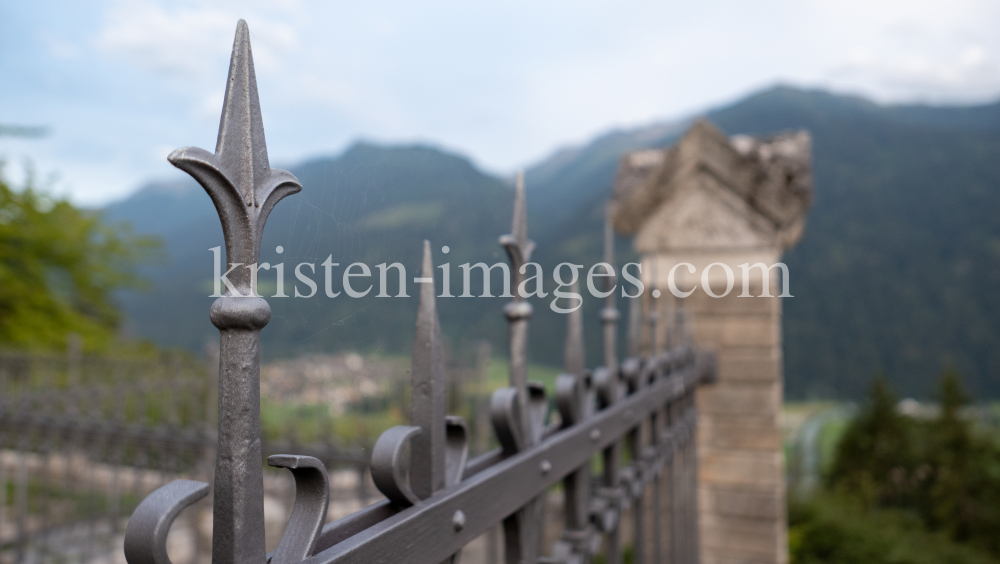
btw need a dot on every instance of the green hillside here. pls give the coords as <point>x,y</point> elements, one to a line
<point>900,263</point>
<point>371,204</point>
<point>898,268</point>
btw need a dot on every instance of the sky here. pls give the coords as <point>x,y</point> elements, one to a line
<point>118,84</point>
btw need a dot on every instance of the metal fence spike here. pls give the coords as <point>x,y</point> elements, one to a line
<point>517,244</point>
<point>244,189</point>
<point>575,360</point>
<point>521,530</point>
<point>429,386</point>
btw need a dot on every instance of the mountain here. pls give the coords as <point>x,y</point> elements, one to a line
<point>371,204</point>
<point>899,266</point>
<point>897,271</point>
<point>900,262</point>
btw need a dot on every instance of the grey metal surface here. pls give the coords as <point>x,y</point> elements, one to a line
<point>146,535</point>
<point>244,189</point>
<point>438,500</point>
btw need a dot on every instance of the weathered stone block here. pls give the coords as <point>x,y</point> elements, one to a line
<point>735,468</point>
<point>739,536</point>
<point>728,398</point>
<point>744,331</point>
<point>762,505</point>
<point>749,364</point>
<point>731,304</point>
<point>725,435</point>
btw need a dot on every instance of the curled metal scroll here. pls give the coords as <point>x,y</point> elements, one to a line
<point>607,385</point>
<point>146,533</point>
<point>391,464</point>
<point>312,497</point>
<point>456,452</point>
<point>575,397</point>
<point>505,414</point>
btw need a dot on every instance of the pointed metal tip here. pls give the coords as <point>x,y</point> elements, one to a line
<point>428,266</point>
<point>426,307</point>
<point>609,238</point>
<point>574,358</point>
<point>242,36</point>
<point>519,223</point>
<point>241,126</point>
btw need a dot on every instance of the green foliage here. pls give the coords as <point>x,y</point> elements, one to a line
<point>59,268</point>
<point>834,529</point>
<point>906,477</point>
<point>875,449</point>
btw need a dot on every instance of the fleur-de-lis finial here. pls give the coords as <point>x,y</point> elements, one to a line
<point>518,412</point>
<point>517,244</point>
<point>237,176</point>
<point>610,314</point>
<point>244,189</point>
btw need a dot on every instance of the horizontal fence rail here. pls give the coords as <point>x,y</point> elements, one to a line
<point>624,429</point>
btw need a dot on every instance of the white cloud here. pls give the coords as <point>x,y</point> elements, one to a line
<point>501,82</point>
<point>183,39</point>
<point>972,74</point>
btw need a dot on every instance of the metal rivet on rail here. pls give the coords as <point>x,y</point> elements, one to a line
<point>546,467</point>
<point>458,520</point>
<point>595,434</point>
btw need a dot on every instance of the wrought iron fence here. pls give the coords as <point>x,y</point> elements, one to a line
<point>83,440</point>
<point>636,417</point>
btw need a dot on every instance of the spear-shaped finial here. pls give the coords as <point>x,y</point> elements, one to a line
<point>241,129</point>
<point>574,359</point>
<point>517,244</point>
<point>429,381</point>
<point>610,314</point>
<point>237,176</point>
<point>438,445</point>
<point>528,419</point>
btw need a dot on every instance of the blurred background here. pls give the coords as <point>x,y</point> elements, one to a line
<point>407,122</point>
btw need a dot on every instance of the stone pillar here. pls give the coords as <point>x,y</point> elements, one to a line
<point>716,203</point>
<point>741,487</point>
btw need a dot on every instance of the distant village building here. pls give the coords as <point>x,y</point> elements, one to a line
<point>736,201</point>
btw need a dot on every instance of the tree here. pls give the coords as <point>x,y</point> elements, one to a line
<point>943,470</point>
<point>963,497</point>
<point>59,268</point>
<point>876,454</point>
